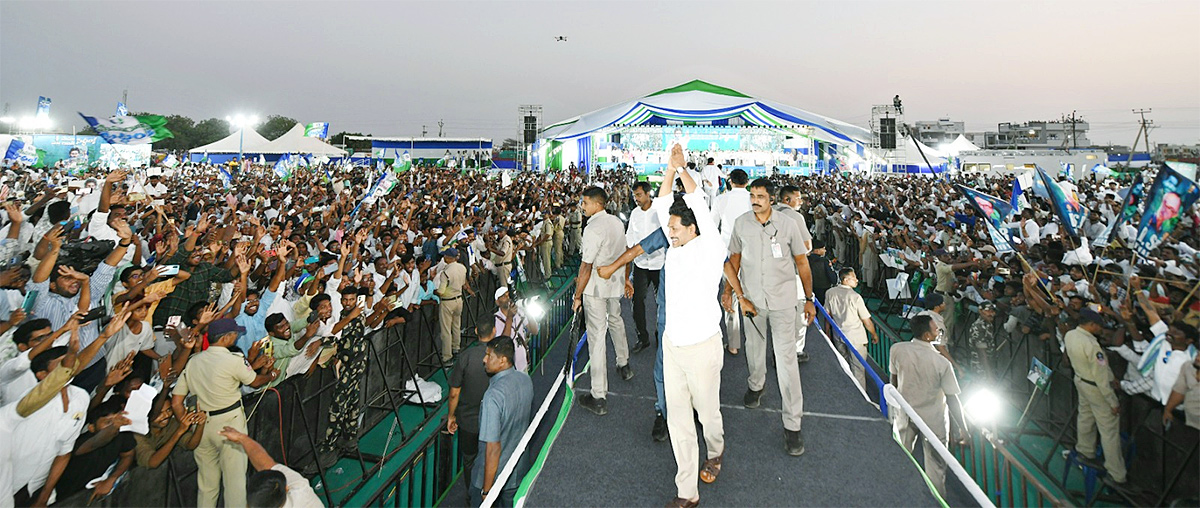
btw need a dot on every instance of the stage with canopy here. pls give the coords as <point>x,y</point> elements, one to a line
<point>737,130</point>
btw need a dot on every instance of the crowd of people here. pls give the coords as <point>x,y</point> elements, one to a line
<point>151,303</point>
<point>1093,315</point>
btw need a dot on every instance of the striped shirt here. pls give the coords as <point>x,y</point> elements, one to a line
<point>58,309</point>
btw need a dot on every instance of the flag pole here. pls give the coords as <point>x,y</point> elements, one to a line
<point>1188,297</point>
<point>1029,268</point>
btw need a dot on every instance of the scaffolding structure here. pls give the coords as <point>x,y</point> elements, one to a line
<point>886,158</point>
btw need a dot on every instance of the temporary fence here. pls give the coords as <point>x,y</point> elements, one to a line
<point>291,419</point>
<point>889,396</point>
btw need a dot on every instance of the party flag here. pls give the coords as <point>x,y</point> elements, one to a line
<point>1066,204</point>
<point>1129,204</point>
<point>1171,196</point>
<point>130,130</point>
<point>317,130</point>
<point>994,212</point>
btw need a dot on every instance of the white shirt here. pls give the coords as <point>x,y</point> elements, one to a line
<point>46,434</point>
<point>728,207</point>
<point>155,190</point>
<point>641,224</point>
<point>1031,232</point>
<point>299,492</point>
<point>99,229</point>
<point>16,378</point>
<point>711,176</point>
<point>693,275</point>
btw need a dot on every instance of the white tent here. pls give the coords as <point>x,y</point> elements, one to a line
<point>294,141</point>
<point>252,143</point>
<point>916,153</point>
<point>960,144</point>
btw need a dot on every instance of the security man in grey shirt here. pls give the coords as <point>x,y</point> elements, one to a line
<point>789,205</point>
<point>767,251</point>
<point>600,299</point>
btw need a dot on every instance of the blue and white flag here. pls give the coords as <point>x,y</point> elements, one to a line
<point>382,187</point>
<point>43,108</point>
<point>11,147</point>
<point>1067,170</point>
<point>170,161</point>
<point>1167,203</point>
<point>130,130</point>
<point>1130,198</point>
<point>1065,204</point>
<point>317,130</point>
<point>1017,194</point>
<point>121,109</point>
<point>283,166</point>
<point>226,178</point>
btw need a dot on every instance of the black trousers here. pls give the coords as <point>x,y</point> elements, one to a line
<point>645,283</point>
<point>468,450</point>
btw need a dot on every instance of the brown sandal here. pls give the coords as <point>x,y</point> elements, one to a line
<point>680,502</point>
<point>710,469</point>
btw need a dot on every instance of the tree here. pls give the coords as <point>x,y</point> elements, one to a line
<point>208,131</point>
<point>275,126</point>
<point>184,130</point>
<point>358,145</point>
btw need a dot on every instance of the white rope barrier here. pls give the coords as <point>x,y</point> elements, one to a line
<point>895,399</point>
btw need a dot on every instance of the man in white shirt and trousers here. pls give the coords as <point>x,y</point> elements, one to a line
<point>646,267</point>
<point>726,208</point>
<point>692,356</point>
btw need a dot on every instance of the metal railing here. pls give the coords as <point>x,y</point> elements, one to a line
<point>1003,478</point>
<point>290,419</point>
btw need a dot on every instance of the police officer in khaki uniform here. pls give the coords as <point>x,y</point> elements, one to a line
<point>767,252</point>
<point>216,376</point>
<point>451,284</point>
<point>575,228</point>
<point>1098,405</point>
<point>926,380</point>
<point>559,221</point>
<point>501,249</point>
<point>600,298</point>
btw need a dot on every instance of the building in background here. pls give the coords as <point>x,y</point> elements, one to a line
<point>1038,135</point>
<point>939,132</point>
<point>1181,153</point>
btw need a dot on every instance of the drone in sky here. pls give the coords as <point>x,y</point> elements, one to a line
<point>561,38</point>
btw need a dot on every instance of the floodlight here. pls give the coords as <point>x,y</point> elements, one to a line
<point>983,406</point>
<point>533,308</point>
<point>7,119</point>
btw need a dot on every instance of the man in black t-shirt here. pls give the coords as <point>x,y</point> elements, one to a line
<point>468,383</point>
<point>96,450</point>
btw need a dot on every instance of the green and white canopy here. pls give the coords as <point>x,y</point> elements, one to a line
<point>704,104</point>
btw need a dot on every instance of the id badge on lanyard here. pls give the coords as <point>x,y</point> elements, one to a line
<point>776,249</point>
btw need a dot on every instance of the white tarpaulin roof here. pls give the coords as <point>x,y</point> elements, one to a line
<point>701,103</point>
<point>913,150</point>
<point>294,141</point>
<point>961,144</point>
<point>229,144</point>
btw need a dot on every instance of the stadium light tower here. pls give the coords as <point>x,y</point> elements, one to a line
<point>242,122</point>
